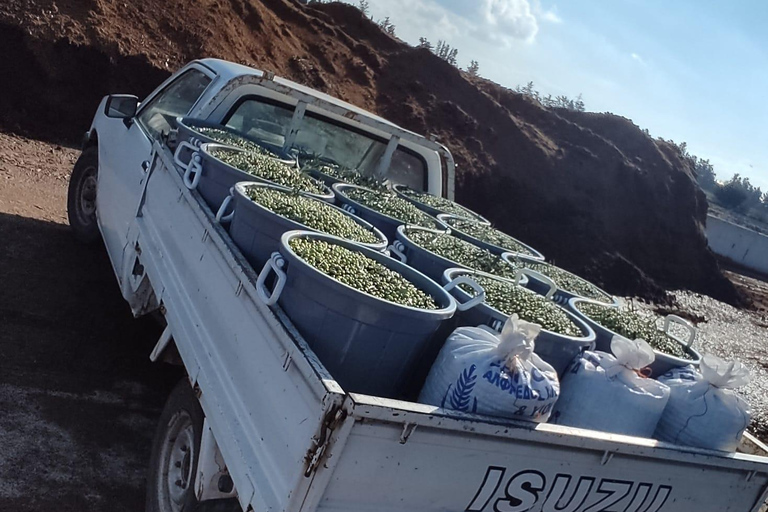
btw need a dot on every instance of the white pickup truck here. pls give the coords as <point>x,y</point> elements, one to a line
<point>259,424</point>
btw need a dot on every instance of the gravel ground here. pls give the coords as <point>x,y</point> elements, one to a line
<point>79,398</point>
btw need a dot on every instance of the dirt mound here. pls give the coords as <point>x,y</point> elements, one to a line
<point>591,191</point>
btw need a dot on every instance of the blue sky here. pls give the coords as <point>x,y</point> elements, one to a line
<point>687,70</point>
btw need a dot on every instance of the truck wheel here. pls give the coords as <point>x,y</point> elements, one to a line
<point>81,197</point>
<point>175,450</point>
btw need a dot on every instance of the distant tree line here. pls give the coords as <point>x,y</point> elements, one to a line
<point>736,194</point>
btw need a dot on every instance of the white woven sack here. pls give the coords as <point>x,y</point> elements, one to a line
<point>482,372</point>
<point>605,392</point>
<point>703,410</point>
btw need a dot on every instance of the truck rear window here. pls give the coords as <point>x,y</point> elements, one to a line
<point>321,137</point>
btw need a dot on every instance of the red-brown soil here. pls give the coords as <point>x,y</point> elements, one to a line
<point>591,191</point>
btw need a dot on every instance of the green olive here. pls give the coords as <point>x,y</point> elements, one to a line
<point>440,203</point>
<point>389,204</point>
<point>462,252</point>
<point>567,281</point>
<point>489,235</point>
<point>267,168</point>
<point>231,139</point>
<point>510,298</point>
<point>312,213</point>
<point>358,271</point>
<point>633,326</point>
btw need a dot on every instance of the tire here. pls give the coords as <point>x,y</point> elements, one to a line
<point>175,452</point>
<point>81,197</point>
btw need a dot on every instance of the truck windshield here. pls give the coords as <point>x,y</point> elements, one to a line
<point>321,137</point>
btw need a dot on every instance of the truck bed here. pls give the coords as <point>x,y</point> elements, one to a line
<point>293,439</point>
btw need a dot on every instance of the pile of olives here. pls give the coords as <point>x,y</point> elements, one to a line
<point>230,139</point>
<point>360,272</point>
<point>462,252</point>
<point>567,281</point>
<point>488,235</point>
<point>312,213</point>
<point>632,326</point>
<point>267,168</point>
<point>440,203</point>
<point>510,298</point>
<point>391,205</point>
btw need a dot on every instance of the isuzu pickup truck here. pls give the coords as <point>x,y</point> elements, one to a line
<point>258,423</point>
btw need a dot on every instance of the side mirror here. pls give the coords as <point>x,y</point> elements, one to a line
<point>121,106</point>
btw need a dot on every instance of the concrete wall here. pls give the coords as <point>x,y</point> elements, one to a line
<point>742,245</point>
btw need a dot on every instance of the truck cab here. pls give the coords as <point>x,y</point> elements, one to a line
<point>260,105</point>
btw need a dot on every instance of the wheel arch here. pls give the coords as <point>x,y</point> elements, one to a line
<point>90,139</point>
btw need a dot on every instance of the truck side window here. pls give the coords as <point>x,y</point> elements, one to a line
<point>175,100</point>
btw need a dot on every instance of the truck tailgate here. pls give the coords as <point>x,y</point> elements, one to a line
<point>395,460</point>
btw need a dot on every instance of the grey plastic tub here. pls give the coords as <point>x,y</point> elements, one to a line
<point>420,258</point>
<point>216,178</point>
<point>186,133</point>
<point>556,349</point>
<point>256,230</point>
<point>368,344</point>
<point>663,361</point>
<point>436,211</point>
<point>542,284</point>
<point>388,225</point>
<point>495,249</point>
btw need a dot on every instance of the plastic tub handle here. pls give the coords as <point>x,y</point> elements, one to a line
<point>220,217</point>
<point>674,319</point>
<point>177,154</point>
<point>193,173</point>
<point>397,249</point>
<point>274,264</point>
<point>540,277</point>
<point>474,301</point>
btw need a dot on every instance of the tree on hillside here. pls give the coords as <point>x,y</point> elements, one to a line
<point>705,173</point>
<point>578,104</point>
<point>446,52</point>
<point>387,26</point>
<point>474,68</point>
<point>548,101</point>
<point>364,8</point>
<point>704,170</point>
<point>731,195</point>
<point>424,43</point>
<point>529,91</point>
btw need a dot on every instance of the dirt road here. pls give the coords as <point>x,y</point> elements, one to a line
<point>78,396</point>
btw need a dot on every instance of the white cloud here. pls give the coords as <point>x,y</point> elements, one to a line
<point>513,18</point>
<point>637,58</point>
<point>548,15</point>
<point>551,16</point>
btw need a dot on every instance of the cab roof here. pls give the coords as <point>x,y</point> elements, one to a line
<point>230,70</point>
